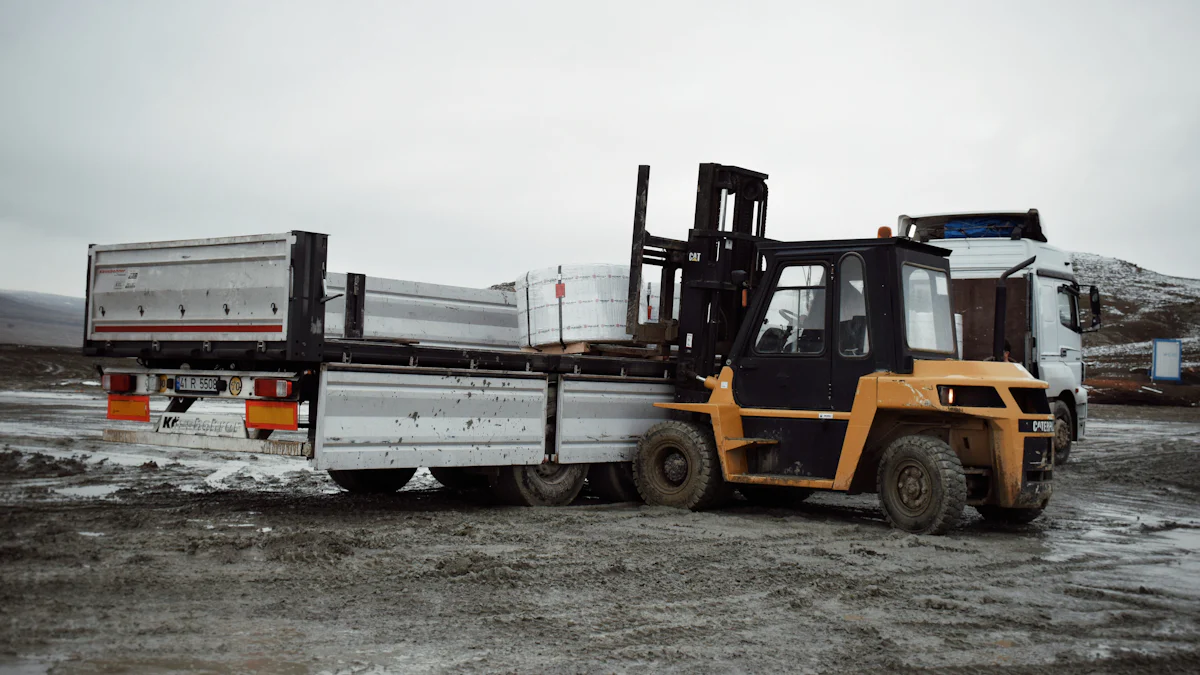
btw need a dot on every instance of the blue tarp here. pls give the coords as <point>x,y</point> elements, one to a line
<point>970,228</point>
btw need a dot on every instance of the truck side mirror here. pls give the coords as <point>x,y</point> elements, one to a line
<point>1094,296</point>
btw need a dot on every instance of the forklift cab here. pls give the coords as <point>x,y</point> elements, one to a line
<point>833,311</point>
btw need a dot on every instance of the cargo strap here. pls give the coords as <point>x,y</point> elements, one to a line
<point>528,311</point>
<point>560,290</point>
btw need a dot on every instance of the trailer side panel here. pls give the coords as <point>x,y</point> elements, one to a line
<point>381,418</point>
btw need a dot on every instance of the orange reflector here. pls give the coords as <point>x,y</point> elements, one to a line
<point>129,408</point>
<point>283,415</point>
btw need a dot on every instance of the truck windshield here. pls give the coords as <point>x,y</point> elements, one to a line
<point>928,323</point>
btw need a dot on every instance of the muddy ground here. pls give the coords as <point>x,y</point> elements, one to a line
<point>139,559</point>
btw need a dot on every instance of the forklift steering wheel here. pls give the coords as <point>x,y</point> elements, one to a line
<point>792,317</point>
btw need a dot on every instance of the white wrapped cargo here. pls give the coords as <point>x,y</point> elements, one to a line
<point>579,303</point>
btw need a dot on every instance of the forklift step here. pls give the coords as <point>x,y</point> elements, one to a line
<point>756,441</point>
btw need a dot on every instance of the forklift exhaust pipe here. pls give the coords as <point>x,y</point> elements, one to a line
<point>1002,308</point>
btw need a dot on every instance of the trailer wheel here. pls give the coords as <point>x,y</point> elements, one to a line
<point>1063,424</point>
<point>613,482</point>
<point>921,485</point>
<point>372,481</point>
<point>457,478</point>
<point>774,495</point>
<point>539,485</point>
<point>677,465</point>
<point>999,514</point>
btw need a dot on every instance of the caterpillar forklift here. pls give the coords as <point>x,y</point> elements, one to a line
<point>826,365</point>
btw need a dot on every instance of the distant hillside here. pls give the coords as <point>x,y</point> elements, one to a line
<point>40,319</point>
<point>1138,306</point>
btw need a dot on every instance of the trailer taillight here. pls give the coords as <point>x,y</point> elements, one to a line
<point>117,384</point>
<point>271,388</point>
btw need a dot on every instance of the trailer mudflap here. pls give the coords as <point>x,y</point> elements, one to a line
<point>219,443</point>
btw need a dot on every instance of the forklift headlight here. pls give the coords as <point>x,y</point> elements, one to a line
<point>969,397</point>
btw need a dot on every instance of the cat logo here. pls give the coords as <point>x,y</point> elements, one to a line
<point>694,257</point>
<point>235,386</point>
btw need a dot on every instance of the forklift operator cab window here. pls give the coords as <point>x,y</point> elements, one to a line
<point>928,322</point>
<point>853,339</point>
<point>795,319</point>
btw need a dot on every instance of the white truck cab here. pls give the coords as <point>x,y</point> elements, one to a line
<point>1041,320</point>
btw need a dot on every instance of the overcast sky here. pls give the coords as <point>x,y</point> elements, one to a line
<point>466,143</point>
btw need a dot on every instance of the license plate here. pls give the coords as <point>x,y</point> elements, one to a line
<point>196,384</point>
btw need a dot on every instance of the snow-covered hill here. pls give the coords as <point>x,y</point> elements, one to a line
<point>1139,305</point>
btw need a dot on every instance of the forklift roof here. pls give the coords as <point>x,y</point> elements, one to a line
<point>849,244</point>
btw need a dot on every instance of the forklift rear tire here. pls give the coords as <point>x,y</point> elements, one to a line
<point>613,482</point>
<point>999,514</point>
<point>458,478</point>
<point>773,495</point>
<point>539,484</point>
<point>1063,424</point>
<point>676,464</point>
<point>372,481</point>
<point>921,485</point>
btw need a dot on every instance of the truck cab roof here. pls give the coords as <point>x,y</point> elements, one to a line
<point>987,225</point>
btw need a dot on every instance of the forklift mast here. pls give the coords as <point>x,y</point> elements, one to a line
<point>720,264</point>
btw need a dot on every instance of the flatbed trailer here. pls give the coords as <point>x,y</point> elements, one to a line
<point>792,367</point>
<point>394,374</point>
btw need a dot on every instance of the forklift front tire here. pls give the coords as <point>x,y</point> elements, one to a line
<point>921,485</point>
<point>677,465</point>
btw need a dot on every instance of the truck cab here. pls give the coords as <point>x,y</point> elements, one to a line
<point>1043,323</point>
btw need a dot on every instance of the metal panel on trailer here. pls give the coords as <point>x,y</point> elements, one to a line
<point>601,420</point>
<point>430,314</point>
<point>382,418</point>
<point>232,288</point>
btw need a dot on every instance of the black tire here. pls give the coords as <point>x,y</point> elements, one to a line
<point>676,464</point>
<point>773,495</point>
<point>999,514</point>
<point>458,478</point>
<point>539,485</point>
<point>613,482</point>
<point>1064,424</point>
<point>372,481</point>
<point>921,485</point>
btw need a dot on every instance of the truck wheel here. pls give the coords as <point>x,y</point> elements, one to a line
<point>457,478</point>
<point>921,485</point>
<point>539,485</point>
<point>999,514</point>
<point>774,495</point>
<point>1063,424</point>
<point>372,481</point>
<point>676,464</point>
<point>613,482</point>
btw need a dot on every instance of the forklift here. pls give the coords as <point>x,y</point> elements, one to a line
<point>826,365</point>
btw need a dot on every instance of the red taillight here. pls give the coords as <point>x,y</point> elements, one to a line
<point>269,388</point>
<point>117,384</point>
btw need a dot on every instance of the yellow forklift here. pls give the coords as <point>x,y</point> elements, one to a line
<point>827,365</point>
